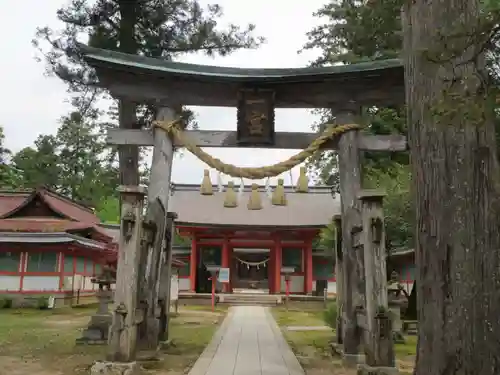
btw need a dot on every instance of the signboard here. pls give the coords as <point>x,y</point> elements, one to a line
<point>224,275</point>
<point>255,117</point>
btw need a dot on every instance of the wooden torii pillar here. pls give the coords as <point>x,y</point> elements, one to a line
<point>166,280</point>
<point>123,333</point>
<point>374,319</point>
<point>152,261</point>
<point>352,274</point>
<point>361,267</point>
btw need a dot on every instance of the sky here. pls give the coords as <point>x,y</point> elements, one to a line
<point>32,102</point>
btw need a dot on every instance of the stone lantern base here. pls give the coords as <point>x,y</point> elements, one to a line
<point>97,330</point>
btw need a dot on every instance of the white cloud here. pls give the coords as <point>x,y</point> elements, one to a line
<point>32,103</point>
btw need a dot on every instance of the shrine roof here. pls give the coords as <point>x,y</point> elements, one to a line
<point>314,209</point>
<point>54,238</point>
<point>145,79</point>
<point>66,215</point>
<point>41,224</point>
<point>13,201</point>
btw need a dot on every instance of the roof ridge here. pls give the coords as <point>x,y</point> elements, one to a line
<point>55,194</point>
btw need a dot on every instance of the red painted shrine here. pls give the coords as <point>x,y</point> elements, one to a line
<point>50,244</point>
<point>255,244</point>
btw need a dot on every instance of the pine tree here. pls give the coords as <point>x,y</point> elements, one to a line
<point>163,29</point>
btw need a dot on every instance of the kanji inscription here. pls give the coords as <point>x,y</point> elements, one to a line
<point>255,117</point>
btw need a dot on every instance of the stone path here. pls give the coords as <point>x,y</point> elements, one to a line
<point>248,342</point>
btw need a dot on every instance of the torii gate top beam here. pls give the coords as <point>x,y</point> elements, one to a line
<point>144,79</point>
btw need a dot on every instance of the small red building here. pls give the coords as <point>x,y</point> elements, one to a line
<point>49,244</point>
<point>255,244</point>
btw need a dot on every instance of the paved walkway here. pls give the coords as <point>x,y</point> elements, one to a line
<point>248,342</point>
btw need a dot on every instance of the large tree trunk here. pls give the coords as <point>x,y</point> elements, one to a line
<point>453,152</point>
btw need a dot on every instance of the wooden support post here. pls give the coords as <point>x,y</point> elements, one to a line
<point>166,278</point>
<point>378,344</point>
<point>126,315</point>
<point>278,256</point>
<point>338,278</point>
<point>128,154</point>
<point>225,262</point>
<point>308,279</point>
<point>158,194</point>
<point>352,264</point>
<point>193,263</point>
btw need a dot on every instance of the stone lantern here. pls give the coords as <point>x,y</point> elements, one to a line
<point>398,303</point>
<point>97,330</point>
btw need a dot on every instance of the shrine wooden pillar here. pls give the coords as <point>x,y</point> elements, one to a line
<point>378,345</point>
<point>166,278</point>
<point>193,261</point>
<point>339,278</point>
<point>271,270</point>
<point>278,256</point>
<point>352,252</point>
<point>122,344</point>
<point>226,262</point>
<point>152,260</point>
<point>308,274</point>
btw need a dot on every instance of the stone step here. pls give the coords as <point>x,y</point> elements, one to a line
<point>248,303</point>
<point>249,299</point>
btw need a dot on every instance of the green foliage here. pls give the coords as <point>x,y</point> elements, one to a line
<point>82,152</point>
<point>42,303</point>
<point>8,174</point>
<point>76,162</point>
<point>108,210</point>
<point>39,165</point>
<point>355,31</point>
<point>181,241</point>
<point>330,315</point>
<point>5,303</point>
<point>398,204</point>
<point>326,238</point>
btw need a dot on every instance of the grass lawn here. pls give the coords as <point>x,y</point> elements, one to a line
<point>312,347</point>
<point>43,342</point>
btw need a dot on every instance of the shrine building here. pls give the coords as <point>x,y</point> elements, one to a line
<point>50,244</point>
<point>255,244</point>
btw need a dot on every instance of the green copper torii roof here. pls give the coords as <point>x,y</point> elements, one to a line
<point>96,56</point>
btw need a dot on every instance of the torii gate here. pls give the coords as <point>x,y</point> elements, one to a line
<point>143,273</point>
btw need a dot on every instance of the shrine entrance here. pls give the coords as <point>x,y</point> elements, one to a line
<point>143,273</point>
<point>251,269</point>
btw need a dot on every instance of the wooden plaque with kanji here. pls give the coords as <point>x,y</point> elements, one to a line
<point>255,117</point>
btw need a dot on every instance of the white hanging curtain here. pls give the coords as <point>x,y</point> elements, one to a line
<point>242,187</point>
<point>269,190</point>
<point>220,184</point>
